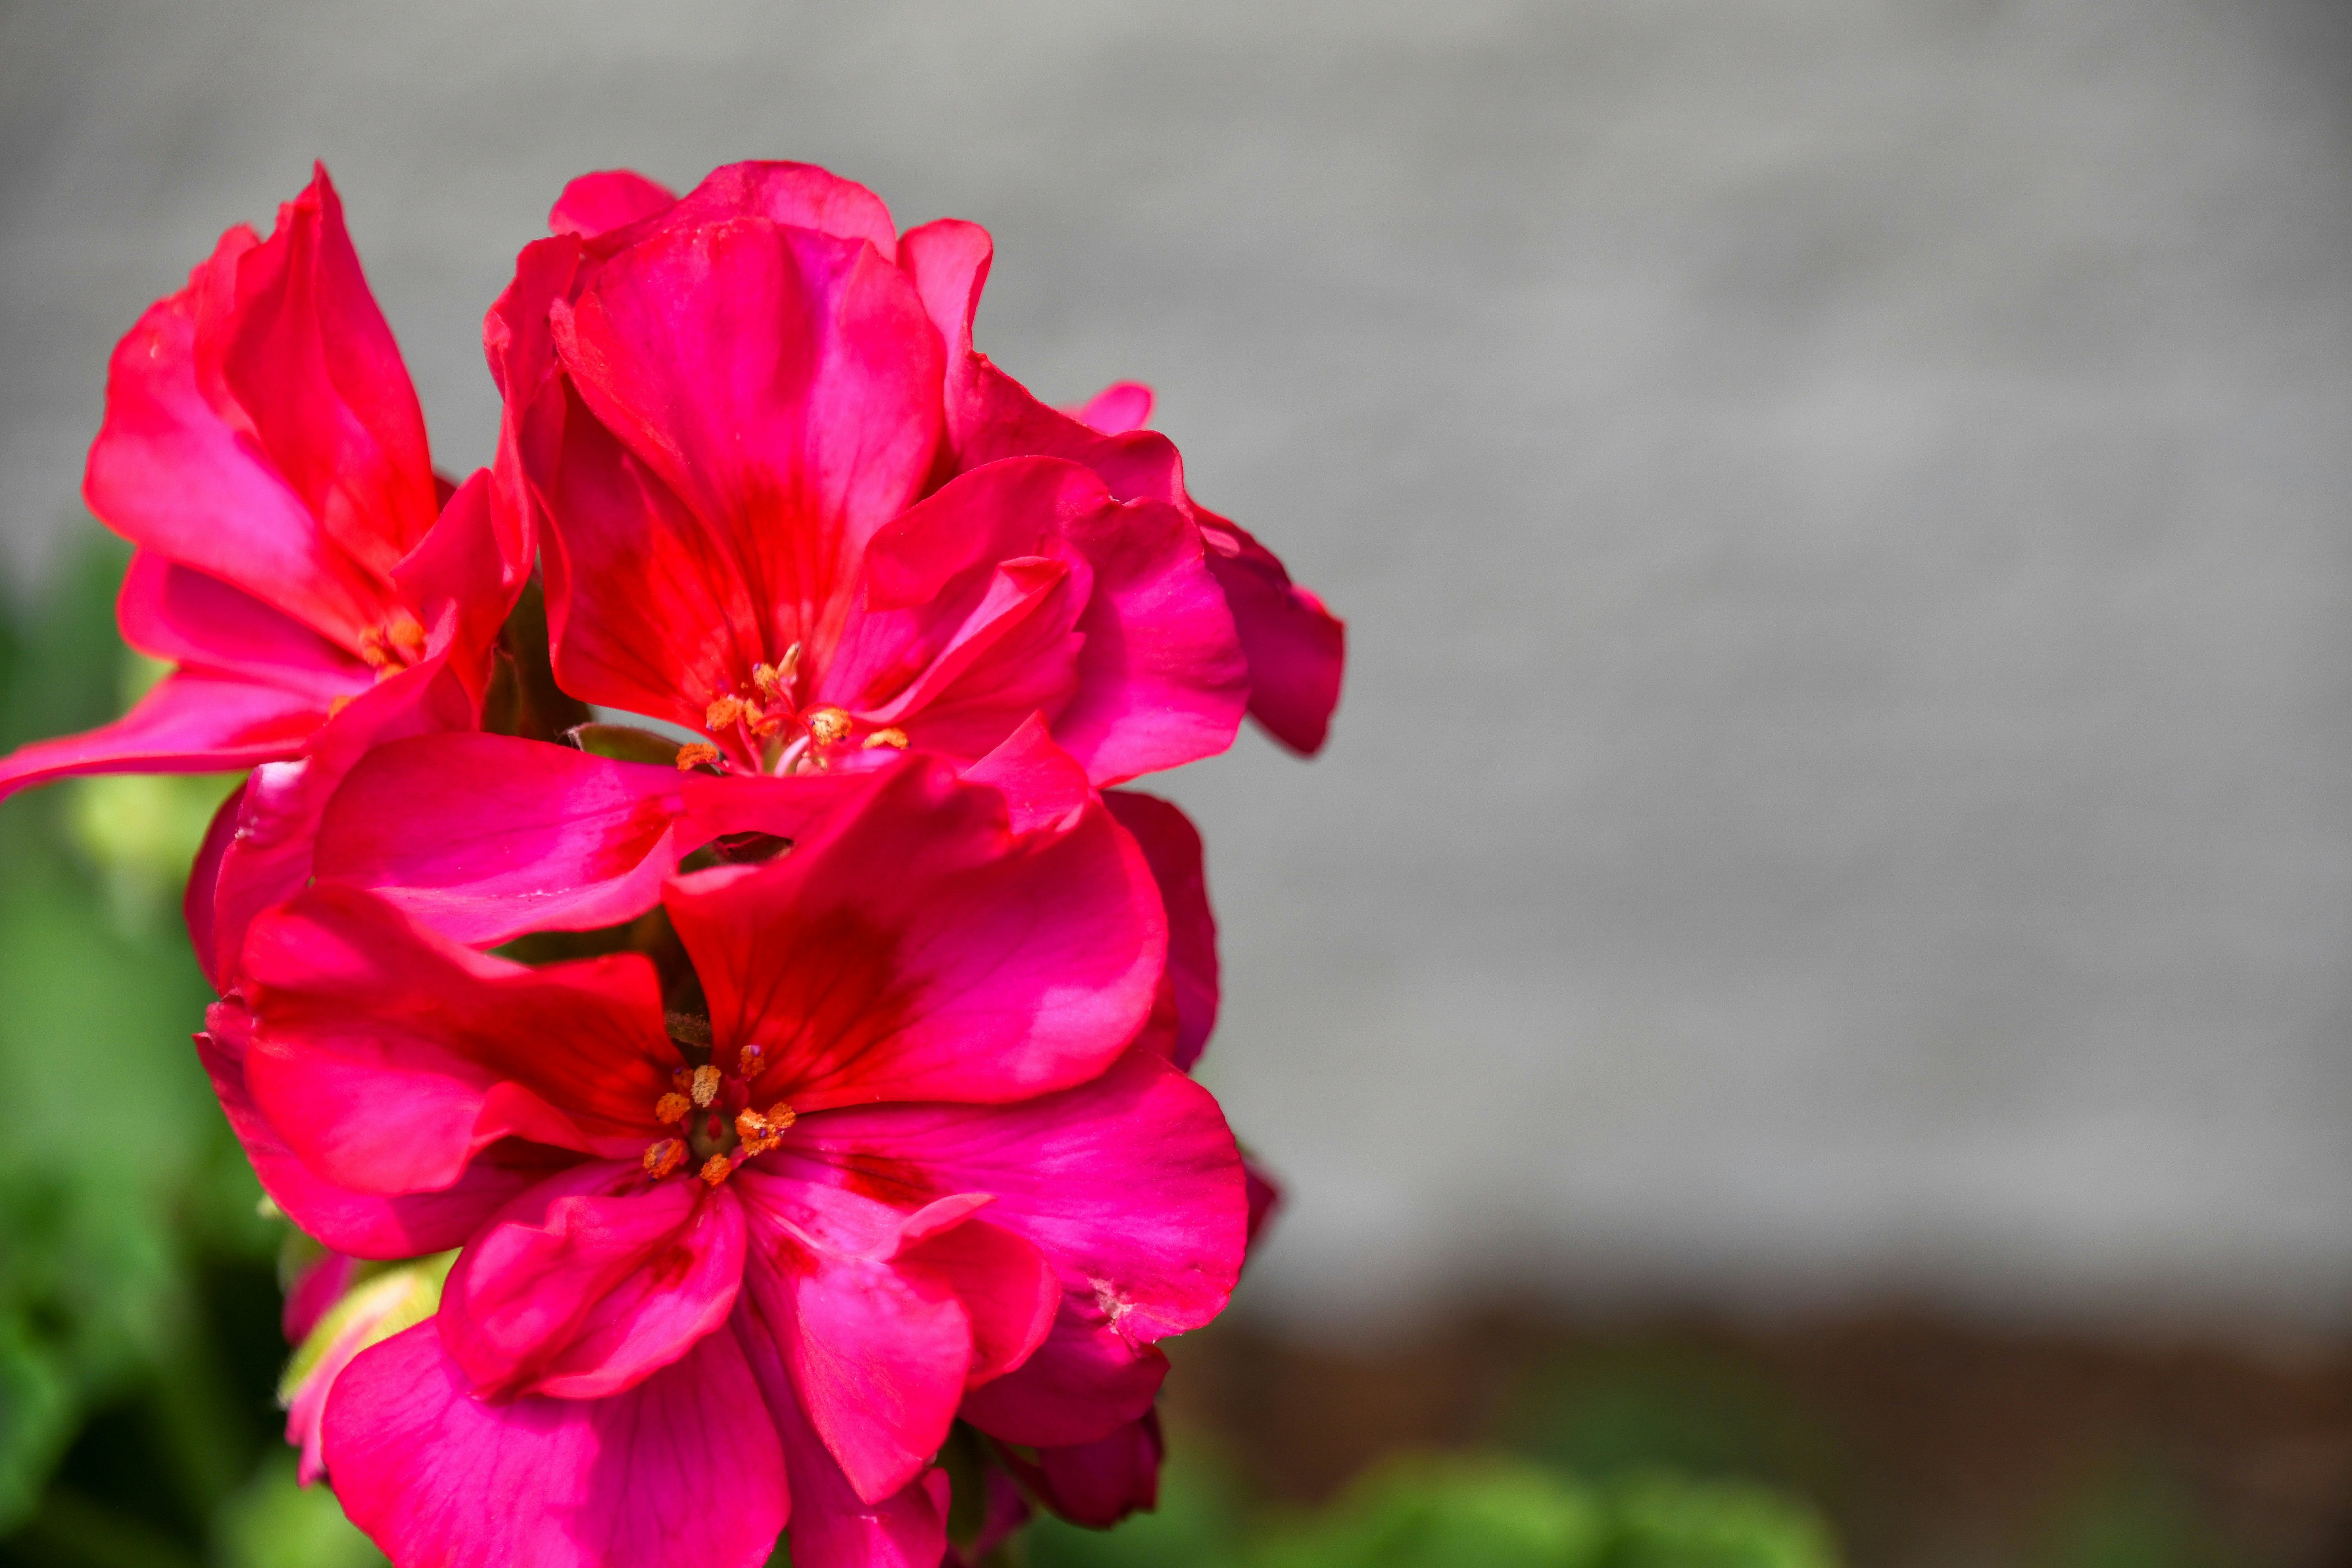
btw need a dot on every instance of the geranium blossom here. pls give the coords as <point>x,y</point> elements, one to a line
<point>785,504</point>
<point>264,450</point>
<point>706,1286</point>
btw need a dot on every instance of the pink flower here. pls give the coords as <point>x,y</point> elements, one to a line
<point>264,450</point>
<point>743,418</point>
<point>705,1289</point>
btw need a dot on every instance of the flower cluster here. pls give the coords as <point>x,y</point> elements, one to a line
<point>775,1122</point>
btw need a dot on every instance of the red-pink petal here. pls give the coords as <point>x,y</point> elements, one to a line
<point>1153,676</point>
<point>366,1224</point>
<point>389,1056</point>
<point>1297,651</point>
<point>915,948</point>
<point>314,370</point>
<point>647,609</point>
<point>1099,1483</point>
<point>682,1471</point>
<point>592,1282</point>
<point>1042,786</point>
<point>190,722</point>
<point>782,384</point>
<point>269,857</point>
<point>877,1354</point>
<point>175,612</point>
<point>199,904</point>
<point>1121,407</point>
<point>1085,1382</point>
<point>1131,1188</point>
<point>486,837</point>
<point>318,1286</point>
<point>832,1526</point>
<point>171,471</point>
<point>606,200</point>
<point>464,577</point>
<point>1185,1011</point>
<point>1008,1290</point>
<point>801,195</point>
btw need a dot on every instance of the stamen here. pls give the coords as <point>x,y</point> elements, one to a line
<point>722,714</point>
<point>770,681</point>
<point>717,1168</point>
<point>699,754</point>
<point>405,634</point>
<point>664,1157</point>
<point>828,725</point>
<point>671,1108</point>
<point>761,1133</point>
<point>751,1060</point>
<point>372,650</point>
<point>894,736</point>
<point>706,1086</point>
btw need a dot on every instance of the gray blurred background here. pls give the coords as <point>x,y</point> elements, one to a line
<point>1844,790</point>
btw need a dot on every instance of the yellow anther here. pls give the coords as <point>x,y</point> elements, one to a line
<point>697,755</point>
<point>402,636</point>
<point>722,714</point>
<point>828,725</point>
<point>706,1086</point>
<point>768,679</point>
<point>671,1108</point>
<point>717,1168</point>
<point>893,736</point>
<point>664,1157</point>
<point>761,1133</point>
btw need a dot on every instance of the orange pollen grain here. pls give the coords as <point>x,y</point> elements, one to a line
<point>750,1062</point>
<point>893,736</point>
<point>664,1157</point>
<point>717,1168</point>
<point>766,678</point>
<point>761,1133</point>
<point>828,725</point>
<point>722,714</point>
<point>671,1108</point>
<point>706,1086</point>
<point>696,755</point>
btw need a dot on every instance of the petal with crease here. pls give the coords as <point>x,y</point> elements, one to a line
<point>590,1282</point>
<point>684,1470</point>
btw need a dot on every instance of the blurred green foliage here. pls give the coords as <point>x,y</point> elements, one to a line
<point>1458,1511</point>
<point>138,1311</point>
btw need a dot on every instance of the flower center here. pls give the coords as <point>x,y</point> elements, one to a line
<point>395,644</point>
<point>764,719</point>
<point>718,1129</point>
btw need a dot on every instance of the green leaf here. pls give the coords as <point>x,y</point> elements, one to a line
<point>1449,1511</point>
